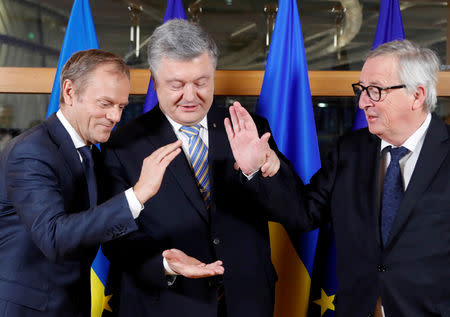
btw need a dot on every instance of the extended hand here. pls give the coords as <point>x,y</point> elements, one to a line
<point>249,151</point>
<point>153,169</point>
<point>190,267</point>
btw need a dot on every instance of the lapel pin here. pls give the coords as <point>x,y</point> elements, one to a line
<point>214,125</point>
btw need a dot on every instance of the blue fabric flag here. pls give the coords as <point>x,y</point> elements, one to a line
<point>80,35</point>
<point>389,28</point>
<point>174,10</point>
<point>285,100</point>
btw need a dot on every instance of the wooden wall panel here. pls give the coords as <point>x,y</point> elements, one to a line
<point>228,82</point>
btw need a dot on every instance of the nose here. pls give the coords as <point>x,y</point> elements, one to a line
<point>189,92</point>
<point>114,114</point>
<point>364,101</point>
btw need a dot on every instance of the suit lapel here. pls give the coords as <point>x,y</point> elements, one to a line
<point>219,150</point>
<point>430,159</point>
<point>67,150</point>
<point>161,133</point>
<point>65,145</point>
<point>371,164</point>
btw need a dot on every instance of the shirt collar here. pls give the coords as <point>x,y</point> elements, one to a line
<point>76,139</point>
<point>412,142</point>
<point>176,126</point>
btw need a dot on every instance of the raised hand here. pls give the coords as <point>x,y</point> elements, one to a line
<point>153,169</point>
<point>190,267</point>
<point>249,150</point>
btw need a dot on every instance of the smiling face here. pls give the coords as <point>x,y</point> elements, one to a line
<point>399,113</point>
<point>185,89</point>
<point>94,112</point>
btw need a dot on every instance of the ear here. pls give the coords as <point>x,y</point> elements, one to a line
<point>68,92</point>
<point>155,83</point>
<point>419,98</point>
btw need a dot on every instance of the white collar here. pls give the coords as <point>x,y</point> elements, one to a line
<point>76,138</point>
<point>412,142</point>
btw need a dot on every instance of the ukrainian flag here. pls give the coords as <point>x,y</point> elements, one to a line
<point>285,100</point>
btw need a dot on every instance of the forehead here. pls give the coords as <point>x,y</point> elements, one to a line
<point>174,69</point>
<point>380,70</point>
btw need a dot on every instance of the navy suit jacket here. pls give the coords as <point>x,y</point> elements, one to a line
<point>234,231</point>
<point>48,234</point>
<point>412,272</point>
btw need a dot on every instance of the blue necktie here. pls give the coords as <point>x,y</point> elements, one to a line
<point>392,192</point>
<point>198,156</point>
<point>88,166</point>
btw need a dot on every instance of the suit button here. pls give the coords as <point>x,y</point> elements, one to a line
<point>216,241</point>
<point>381,268</point>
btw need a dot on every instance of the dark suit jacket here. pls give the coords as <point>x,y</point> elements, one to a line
<point>412,272</point>
<point>48,234</point>
<point>235,231</point>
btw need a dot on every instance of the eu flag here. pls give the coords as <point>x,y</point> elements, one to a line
<point>389,28</point>
<point>285,100</point>
<point>174,10</point>
<point>80,35</point>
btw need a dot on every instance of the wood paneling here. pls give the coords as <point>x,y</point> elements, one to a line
<point>228,82</point>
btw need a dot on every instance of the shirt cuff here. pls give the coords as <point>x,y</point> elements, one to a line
<point>249,177</point>
<point>169,271</point>
<point>134,203</point>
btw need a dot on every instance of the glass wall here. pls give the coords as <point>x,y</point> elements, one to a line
<point>337,34</point>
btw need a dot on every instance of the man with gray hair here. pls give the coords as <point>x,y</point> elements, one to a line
<point>386,190</point>
<point>202,207</point>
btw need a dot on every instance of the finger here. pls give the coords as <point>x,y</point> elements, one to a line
<point>160,153</point>
<point>229,129</point>
<point>234,119</point>
<point>242,115</point>
<point>169,158</point>
<point>265,137</point>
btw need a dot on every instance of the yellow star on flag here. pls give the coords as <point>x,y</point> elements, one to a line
<point>325,302</point>
<point>106,303</point>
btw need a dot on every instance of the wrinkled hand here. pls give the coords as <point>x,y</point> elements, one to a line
<point>153,169</point>
<point>190,267</point>
<point>270,167</point>
<point>249,151</point>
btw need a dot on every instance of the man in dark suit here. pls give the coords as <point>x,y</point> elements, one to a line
<point>202,206</point>
<point>50,224</point>
<point>386,190</point>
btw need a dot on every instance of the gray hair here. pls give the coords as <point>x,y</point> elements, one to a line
<point>180,40</point>
<point>416,66</point>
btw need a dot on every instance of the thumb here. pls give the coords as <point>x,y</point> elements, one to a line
<point>265,137</point>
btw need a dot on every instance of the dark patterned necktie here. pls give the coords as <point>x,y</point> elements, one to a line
<point>392,192</point>
<point>88,166</point>
<point>198,156</point>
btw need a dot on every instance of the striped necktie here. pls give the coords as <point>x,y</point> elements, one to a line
<point>198,155</point>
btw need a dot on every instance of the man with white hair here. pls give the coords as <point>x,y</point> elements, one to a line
<point>386,190</point>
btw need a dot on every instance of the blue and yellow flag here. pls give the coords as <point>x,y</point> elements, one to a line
<point>389,28</point>
<point>80,35</point>
<point>174,10</point>
<point>285,100</point>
